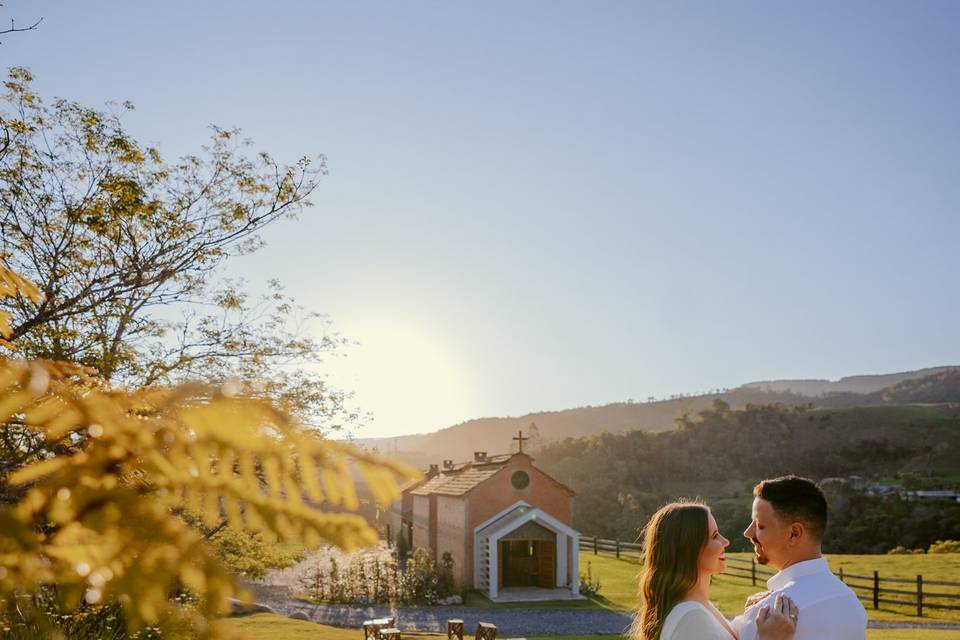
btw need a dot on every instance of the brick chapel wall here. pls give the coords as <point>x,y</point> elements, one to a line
<point>496,494</point>
<point>421,522</point>
<point>451,526</point>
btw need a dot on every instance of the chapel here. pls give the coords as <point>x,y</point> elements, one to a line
<point>506,523</point>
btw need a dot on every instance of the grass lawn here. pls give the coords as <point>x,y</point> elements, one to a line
<point>264,626</point>
<point>618,579</point>
<point>910,634</point>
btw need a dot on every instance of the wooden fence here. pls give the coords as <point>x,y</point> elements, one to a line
<point>598,545</point>
<point>870,589</point>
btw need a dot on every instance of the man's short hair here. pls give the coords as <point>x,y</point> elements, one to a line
<point>796,500</point>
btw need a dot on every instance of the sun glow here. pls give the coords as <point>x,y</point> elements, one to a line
<point>408,380</point>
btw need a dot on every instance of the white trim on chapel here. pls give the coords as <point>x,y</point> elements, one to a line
<point>488,533</point>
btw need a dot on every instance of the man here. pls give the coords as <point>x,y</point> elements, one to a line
<point>789,517</point>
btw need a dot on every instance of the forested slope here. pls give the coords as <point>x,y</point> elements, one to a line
<point>494,434</point>
<point>620,479</point>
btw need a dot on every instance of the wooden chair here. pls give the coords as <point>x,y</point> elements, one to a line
<point>390,634</point>
<point>486,631</point>
<point>454,629</point>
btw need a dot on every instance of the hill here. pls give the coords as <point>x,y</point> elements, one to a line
<point>494,434</point>
<point>620,479</point>
<point>937,388</point>
<point>863,384</point>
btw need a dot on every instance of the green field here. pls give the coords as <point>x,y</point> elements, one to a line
<point>264,626</point>
<point>619,578</point>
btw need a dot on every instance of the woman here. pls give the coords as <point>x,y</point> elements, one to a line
<point>683,548</point>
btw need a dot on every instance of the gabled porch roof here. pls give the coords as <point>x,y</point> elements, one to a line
<point>518,514</point>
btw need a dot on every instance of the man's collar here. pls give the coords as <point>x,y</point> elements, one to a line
<point>797,570</point>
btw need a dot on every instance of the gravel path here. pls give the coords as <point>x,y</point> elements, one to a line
<point>510,622</point>
<point>896,624</point>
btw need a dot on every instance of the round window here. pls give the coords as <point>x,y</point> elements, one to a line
<point>520,480</point>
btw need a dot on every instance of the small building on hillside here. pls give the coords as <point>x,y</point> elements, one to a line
<point>950,495</point>
<point>506,524</point>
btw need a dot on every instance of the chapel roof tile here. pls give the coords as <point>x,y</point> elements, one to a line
<point>462,477</point>
<point>431,485</point>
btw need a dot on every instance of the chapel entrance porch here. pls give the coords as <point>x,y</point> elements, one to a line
<point>525,554</point>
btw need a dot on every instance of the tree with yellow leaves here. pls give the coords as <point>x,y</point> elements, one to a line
<point>96,512</point>
<point>126,246</point>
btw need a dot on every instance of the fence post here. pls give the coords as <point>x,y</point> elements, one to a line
<point>876,590</point>
<point>594,545</point>
<point>919,595</point>
<point>389,538</point>
<point>618,547</point>
<point>753,571</point>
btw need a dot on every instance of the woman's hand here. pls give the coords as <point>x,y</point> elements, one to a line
<point>778,622</point>
<point>755,598</point>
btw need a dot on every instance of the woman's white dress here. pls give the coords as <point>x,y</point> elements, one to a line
<point>693,621</point>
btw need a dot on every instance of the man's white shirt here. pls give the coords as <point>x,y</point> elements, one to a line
<point>829,609</point>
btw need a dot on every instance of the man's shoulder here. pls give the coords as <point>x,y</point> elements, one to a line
<point>830,600</point>
<point>808,591</point>
<point>834,587</point>
<point>825,581</point>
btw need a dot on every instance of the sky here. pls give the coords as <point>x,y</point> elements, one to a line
<point>542,205</point>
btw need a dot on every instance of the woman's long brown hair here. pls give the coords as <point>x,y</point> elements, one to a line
<point>672,543</point>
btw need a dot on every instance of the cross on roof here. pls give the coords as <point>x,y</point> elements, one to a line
<point>520,439</point>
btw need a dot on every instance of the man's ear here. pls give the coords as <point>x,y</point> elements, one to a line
<point>797,532</point>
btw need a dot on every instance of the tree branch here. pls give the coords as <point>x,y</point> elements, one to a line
<point>13,27</point>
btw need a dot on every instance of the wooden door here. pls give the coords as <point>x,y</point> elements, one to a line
<point>547,556</point>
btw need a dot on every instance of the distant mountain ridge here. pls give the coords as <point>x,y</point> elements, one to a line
<point>848,384</point>
<point>937,388</point>
<point>494,434</point>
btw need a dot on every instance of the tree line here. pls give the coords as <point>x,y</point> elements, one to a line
<point>720,453</point>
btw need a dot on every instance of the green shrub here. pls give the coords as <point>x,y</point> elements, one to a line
<point>366,580</point>
<point>588,586</point>
<point>945,546</point>
<point>902,550</point>
<point>250,555</point>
